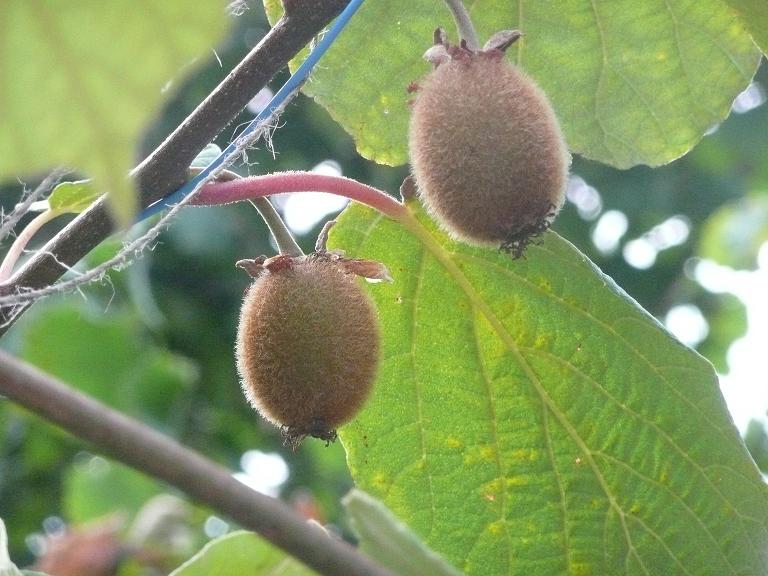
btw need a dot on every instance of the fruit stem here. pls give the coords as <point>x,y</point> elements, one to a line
<point>17,248</point>
<point>285,241</point>
<point>215,193</point>
<point>464,24</point>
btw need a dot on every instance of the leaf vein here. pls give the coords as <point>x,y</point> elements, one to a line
<point>606,327</point>
<point>487,382</point>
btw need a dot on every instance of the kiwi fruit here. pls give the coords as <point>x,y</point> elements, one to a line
<point>486,150</point>
<point>307,344</point>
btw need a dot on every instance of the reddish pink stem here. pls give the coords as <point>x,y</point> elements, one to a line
<point>282,182</point>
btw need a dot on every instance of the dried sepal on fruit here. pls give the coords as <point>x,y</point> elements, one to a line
<point>308,342</point>
<point>486,149</point>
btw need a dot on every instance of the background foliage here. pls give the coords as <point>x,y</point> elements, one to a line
<point>156,341</point>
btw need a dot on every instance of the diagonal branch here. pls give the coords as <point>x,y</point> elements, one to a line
<point>153,453</point>
<point>165,168</point>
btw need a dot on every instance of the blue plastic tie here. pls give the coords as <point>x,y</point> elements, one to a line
<point>291,85</point>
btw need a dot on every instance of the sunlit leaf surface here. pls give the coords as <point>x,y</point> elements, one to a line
<point>632,82</point>
<point>530,418</point>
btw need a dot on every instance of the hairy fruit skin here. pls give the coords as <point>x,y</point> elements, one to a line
<point>487,153</point>
<point>307,346</point>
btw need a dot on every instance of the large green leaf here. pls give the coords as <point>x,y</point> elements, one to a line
<point>241,553</point>
<point>79,80</point>
<point>632,82</point>
<point>530,418</point>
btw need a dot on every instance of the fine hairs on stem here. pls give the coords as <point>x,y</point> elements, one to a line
<point>464,23</point>
<point>215,193</point>
<point>284,240</point>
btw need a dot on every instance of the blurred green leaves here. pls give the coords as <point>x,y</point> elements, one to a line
<point>241,553</point>
<point>108,357</point>
<point>734,234</point>
<point>389,541</point>
<point>382,536</point>
<point>95,487</point>
<point>530,417</point>
<point>727,319</point>
<point>632,82</point>
<point>7,568</point>
<point>82,80</point>
<point>756,440</point>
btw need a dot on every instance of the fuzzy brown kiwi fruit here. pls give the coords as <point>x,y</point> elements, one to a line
<point>487,153</point>
<point>307,344</point>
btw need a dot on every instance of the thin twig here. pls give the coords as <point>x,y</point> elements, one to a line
<point>165,169</point>
<point>117,262</point>
<point>143,448</point>
<point>21,209</point>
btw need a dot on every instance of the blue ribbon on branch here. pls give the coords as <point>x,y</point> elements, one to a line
<point>291,85</point>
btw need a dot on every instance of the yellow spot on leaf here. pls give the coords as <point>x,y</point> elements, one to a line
<point>736,30</point>
<point>492,486</point>
<point>452,442</point>
<point>518,481</point>
<point>496,528</point>
<point>380,480</point>
<point>580,569</point>
<point>544,284</point>
<point>519,454</point>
